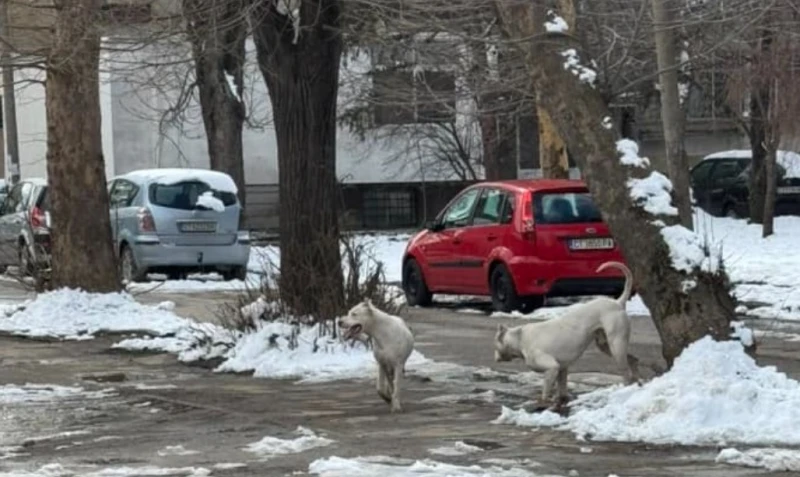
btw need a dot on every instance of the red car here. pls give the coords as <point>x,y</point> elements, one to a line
<point>516,241</point>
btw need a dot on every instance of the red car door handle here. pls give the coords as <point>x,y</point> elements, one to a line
<point>491,237</point>
<point>456,241</point>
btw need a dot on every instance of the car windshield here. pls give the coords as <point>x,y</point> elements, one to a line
<point>184,195</point>
<point>565,208</point>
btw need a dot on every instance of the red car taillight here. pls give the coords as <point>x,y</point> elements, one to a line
<point>38,218</point>
<point>526,218</point>
<point>146,222</point>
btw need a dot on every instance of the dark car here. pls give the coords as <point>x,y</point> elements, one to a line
<point>720,183</point>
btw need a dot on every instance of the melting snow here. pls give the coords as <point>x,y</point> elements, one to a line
<point>230,80</point>
<point>455,449</point>
<point>273,446</point>
<point>776,460</point>
<point>388,467</point>
<point>715,394</point>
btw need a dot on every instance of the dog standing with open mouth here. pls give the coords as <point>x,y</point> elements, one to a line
<point>550,347</point>
<point>392,344</point>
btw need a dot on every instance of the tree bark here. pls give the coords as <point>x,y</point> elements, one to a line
<point>303,81</point>
<point>82,250</point>
<point>684,306</point>
<point>672,117</point>
<point>552,149</point>
<point>217,31</point>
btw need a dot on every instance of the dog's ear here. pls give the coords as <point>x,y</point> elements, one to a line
<point>501,331</point>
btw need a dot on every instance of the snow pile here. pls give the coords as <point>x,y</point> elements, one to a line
<point>714,394</point>
<point>573,64</point>
<point>281,350</point>
<point>389,467</point>
<point>455,449</point>
<point>207,200</point>
<point>273,446</point>
<point>653,194</point>
<point>775,460</point>
<point>77,315</point>
<point>689,251</point>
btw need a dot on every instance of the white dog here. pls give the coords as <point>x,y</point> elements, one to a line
<point>392,343</point>
<point>550,347</point>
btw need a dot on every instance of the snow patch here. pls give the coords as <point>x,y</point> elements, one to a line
<point>775,460</point>
<point>269,446</point>
<point>653,194</point>
<point>629,151</point>
<point>555,24</point>
<point>607,123</point>
<point>742,333</point>
<point>207,200</point>
<point>388,467</point>
<point>176,450</point>
<point>714,395</point>
<point>231,82</point>
<point>38,393</point>
<point>573,64</point>
<point>689,252</point>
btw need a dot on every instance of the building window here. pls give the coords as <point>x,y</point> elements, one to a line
<point>389,208</point>
<point>400,96</point>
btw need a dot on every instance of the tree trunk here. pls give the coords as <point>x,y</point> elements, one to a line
<point>685,306</point>
<point>82,250</point>
<point>552,149</point>
<point>758,136</point>
<point>217,31</point>
<point>498,135</point>
<point>303,81</point>
<point>672,119</point>
<point>768,228</point>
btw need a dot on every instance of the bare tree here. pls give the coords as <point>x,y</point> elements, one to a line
<point>672,119</point>
<point>299,47</point>
<point>83,255</point>
<point>217,30</point>
<point>687,300</point>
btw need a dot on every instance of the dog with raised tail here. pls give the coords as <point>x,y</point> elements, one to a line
<point>392,344</point>
<point>550,347</point>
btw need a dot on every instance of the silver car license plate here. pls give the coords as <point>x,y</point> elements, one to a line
<point>591,244</point>
<point>789,190</point>
<point>197,227</point>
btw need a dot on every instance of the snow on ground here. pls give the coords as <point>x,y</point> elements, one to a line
<point>269,446</point>
<point>455,449</point>
<point>37,393</point>
<point>391,467</point>
<point>714,395</point>
<point>776,460</point>
<point>58,470</point>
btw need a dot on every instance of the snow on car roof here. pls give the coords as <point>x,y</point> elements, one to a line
<point>217,180</point>
<point>789,160</point>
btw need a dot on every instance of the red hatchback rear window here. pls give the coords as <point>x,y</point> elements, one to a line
<point>565,208</point>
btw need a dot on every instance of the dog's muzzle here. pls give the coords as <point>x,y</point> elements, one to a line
<point>351,332</point>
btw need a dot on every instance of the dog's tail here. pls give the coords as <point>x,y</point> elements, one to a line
<point>626,292</point>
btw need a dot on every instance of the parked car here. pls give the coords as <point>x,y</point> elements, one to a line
<point>177,221</point>
<point>3,190</point>
<point>720,183</point>
<point>516,241</point>
<point>25,227</point>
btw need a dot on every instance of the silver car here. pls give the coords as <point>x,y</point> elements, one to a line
<point>176,222</point>
<point>25,227</point>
